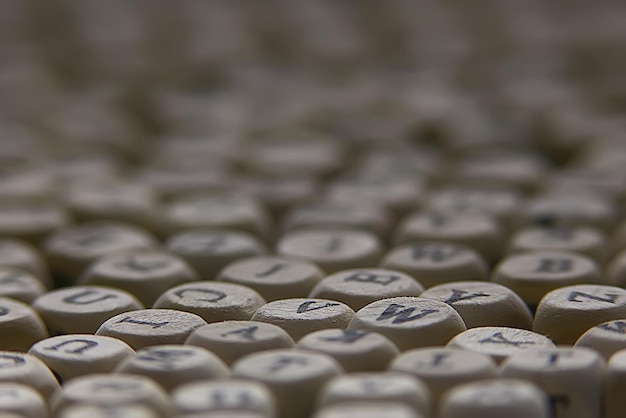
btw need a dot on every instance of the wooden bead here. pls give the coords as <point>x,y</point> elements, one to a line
<point>144,273</point>
<point>225,395</point>
<point>500,342</point>
<point>369,409</point>
<point>483,304</point>
<point>494,399</point>
<point>566,313</point>
<point>479,232</point>
<point>173,365</point>
<point>615,385</point>
<point>533,275</point>
<point>356,351</point>
<point>572,378</point>
<point>20,325</point>
<point>332,250</point>
<point>74,355</point>
<point>22,400</point>
<point>150,327</point>
<point>359,287</point>
<point>231,340</point>
<point>581,240</point>
<point>410,322</point>
<point>278,193</point>
<point>21,255</point>
<point>606,338</point>
<point>112,389</point>
<point>434,263</point>
<point>207,252</point>
<point>378,387</point>
<point>274,277</point>
<point>31,221</point>
<point>107,411</point>
<point>82,309</point>
<point>213,301</point>
<point>27,370</point>
<point>444,368</point>
<point>616,270</point>
<point>20,285</point>
<point>71,250</point>
<point>294,377</point>
<point>302,316</point>
<point>224,414</point>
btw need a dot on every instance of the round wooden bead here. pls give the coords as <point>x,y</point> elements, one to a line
<point>213,301</point>
<point>359,287</point>
<point>356,351</point>
<point>410,322</point>
<point>572,378</point>
<point>332,250</point>
<point>231,340</point>
<point>82,309</point>
<point>73,355</point>
<point>31,221</point>
<point>444,368</point>
<point>534,274</point>
<point>112,389</point>
<point>500,342</point>
<point>483,304</point>
<point>225,395</point>
<point>71,250</point>
<point>208,252</point>
<point>433,263</point>
<point>274,277</point>
<point>379,387</point>
<point>27,370</point>
<point>20,285</point>
<point>294,377</point>
<point>616,270</point>
<point>494,399</point>
<point>566,313</point>
<point>22,400</point>
<point>225,414</point>
<point>368,409</point>
<point>144,273</point>
<point>615,385</point>
<point>21,255</point>
<point>20,325</point>
<point>149,327</point>
<point>173,365</point>
<point>606,338</point>
<point>107,411</point>
<point>479,232</point>
<point>302,316</point>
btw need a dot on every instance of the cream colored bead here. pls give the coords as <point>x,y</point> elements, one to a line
<point>500,342</point>
<point>566,313</point>
<point>231,340</point>
<point>173,365</point>
<point>295,377</point>
<point>302,316</point>
<point>22,400</point>
<point>495,399</point>
<point>20,285</point>
<point>615,386</point>
<point>332,250</point>
<point>149,327</point>
<point>27,370</point>
<point>616,270</point>
<point>112,389</point>
<point>20,326</point>
<point>76,355</point>
<point>274,277</point>
<point>378,387</point>
<point>209,251</point>
<point>21,255</point>
<point>226,396</point>
<point>444,368</point>
<point>359,287</point>
<point>224,414</point>
<point>356,351</point>
<point>82,309</point>
<point>278,193</point>
<point>31,221</point>
<point>369,409</point>
<point>571,377</point>
<point>532,275</point>
<point>434,263</point>
<point>483,304</point>
<point>410,322</point>
<point>213,301</point>
<point>606,338</point>
<point>145,273</point>
<point>107,411</point>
